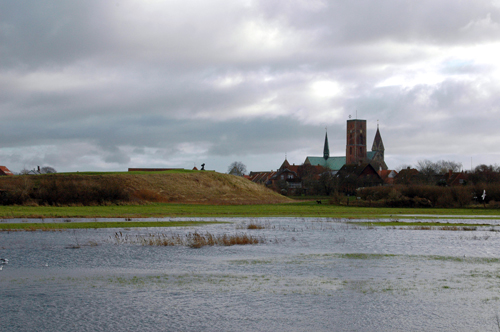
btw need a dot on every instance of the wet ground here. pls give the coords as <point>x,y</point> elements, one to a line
<point>309,275</point>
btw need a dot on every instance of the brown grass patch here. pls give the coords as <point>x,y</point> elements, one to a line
<point>255,226</point>
<point>193,240</point>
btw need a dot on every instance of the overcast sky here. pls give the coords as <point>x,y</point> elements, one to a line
<point>90,85</point>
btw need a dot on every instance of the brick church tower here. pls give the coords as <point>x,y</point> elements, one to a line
<point>356,142</point>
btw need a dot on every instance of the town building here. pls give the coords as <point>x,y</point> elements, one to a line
<point>358,168</point>
<point>388,176</point>
<point>5,171</point>
<point>354,176</point>
<point>356,150</point>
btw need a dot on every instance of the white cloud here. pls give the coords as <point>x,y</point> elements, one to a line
<point>326,89</point>
<point>106,85</point>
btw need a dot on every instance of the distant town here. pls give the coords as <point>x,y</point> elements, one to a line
<point>347,174</point>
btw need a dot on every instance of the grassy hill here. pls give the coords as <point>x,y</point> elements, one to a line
<point>199,187</point>
<point>135,187</point>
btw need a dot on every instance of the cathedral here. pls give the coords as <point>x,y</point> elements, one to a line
<point>356,151</point>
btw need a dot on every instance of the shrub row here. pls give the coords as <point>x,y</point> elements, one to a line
<point>62,190</point>
<point>432,196</point>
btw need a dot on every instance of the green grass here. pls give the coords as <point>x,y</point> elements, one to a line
<point>303,209</point>
<point>173,171</point>
<point>82,225</point>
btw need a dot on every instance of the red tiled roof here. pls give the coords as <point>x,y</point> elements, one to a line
<point>261,177</point>
<point>5,171</point>
<point>384,174</point>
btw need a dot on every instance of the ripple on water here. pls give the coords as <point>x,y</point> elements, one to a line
<point>310,275</point>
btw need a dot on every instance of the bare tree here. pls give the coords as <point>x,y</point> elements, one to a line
<point>24,171</point>
<point>445,166</point>
<point>237,168</point>
<point>431,172</point>
<point>327,183</point>
<point>427,168</point>
<point>485,174</point>
<point>47,170</point>
<point>38,170</point>
<point>430,168</point>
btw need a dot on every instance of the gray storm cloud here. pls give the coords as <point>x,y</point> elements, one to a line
<point>98,85</point>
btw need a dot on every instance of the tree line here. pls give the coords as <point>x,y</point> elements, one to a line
<point>431,173</point>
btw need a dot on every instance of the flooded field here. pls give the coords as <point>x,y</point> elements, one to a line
<point>305,275</point>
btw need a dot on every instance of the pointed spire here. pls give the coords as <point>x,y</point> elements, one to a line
<point>326,149</point>
<point>378,145</point>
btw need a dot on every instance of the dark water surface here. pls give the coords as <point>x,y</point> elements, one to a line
<point>310,275</point>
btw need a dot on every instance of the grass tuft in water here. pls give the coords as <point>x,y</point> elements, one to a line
<point>192,240</point>
<point>255,226</point>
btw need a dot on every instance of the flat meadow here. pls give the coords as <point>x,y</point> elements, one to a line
<point>294,209</point>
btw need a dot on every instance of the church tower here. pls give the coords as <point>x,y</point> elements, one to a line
<point>356,142</point>
<point>378,145</point>
<point>378,151</point>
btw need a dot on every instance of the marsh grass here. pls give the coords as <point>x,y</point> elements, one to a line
<point>255,226</point>
<point>441,228</point>
<point>396,224</point>
<point>475,237</point>
<point>192,240</point>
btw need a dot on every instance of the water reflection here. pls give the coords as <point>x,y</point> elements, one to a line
<point>309,275</point>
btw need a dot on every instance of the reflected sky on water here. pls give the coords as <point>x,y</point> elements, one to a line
<point>309,275</point>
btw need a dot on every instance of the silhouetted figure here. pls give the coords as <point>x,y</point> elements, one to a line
<point>203,166</point>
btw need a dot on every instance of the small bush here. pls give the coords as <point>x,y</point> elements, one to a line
<point>494,204</point>
<point>335,198</point>
<point>422,202</point>
<point>429,196</point>
<point>462,195</point>
<point>255,226</point>
<point>445,200</point>
<point>375,193</point>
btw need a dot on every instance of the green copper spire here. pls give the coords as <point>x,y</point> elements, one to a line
<point>326,150</point>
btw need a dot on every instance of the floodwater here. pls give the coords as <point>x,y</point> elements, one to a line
<point>309,275</point>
